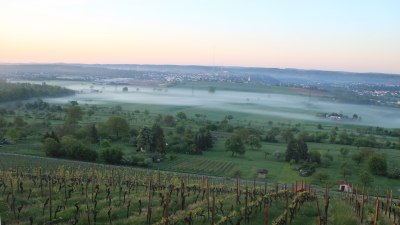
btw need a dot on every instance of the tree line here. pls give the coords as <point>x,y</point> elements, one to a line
<point>23,91</point>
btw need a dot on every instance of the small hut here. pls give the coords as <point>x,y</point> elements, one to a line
<point>262,173</point>
<point>344,186</point>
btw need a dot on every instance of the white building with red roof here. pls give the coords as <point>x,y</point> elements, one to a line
<point>345,186</point>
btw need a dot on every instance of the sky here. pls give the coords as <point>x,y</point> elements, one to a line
<point>341,35</point>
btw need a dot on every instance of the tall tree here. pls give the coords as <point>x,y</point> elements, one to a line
<point>74,114</point>
<point>344,152</point>
<point>297,149</point>
<point>203,140</point>
<point>291,151</point>
<point>144,139</point>
<point>366,177</point>
<point>94,137</point>
<point>254,142</point>
<point>377,164</point>
<point>158,142</point>
<point>181,116</point>
<point>117,125</point>
<point>235,145</point>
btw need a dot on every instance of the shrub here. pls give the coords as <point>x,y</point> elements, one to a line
<point>112,155</point>
<point>75,149</point>
<point>52,148</point>
<point>377,165</point>
<point>315,156</point>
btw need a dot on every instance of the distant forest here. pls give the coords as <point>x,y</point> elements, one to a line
<point>23,91</point>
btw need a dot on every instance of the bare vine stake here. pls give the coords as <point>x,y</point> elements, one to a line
<point>319,212</point>
<point>362,205</point>
<point>159,179</point>
<point>245,204</point>
<point>213,210</point>
<point>390,203</point>
<point>166,208</point>
<point>41,182</point>
<point>65,189</point>
<point>287,206</point>
<point>387,201</point>
<point>376,209</point>
<point>87,203</point>
<point>127,208</point>
<point>326,203</point>
<point>182,194</point>
<point>50,197</point>
<point>208,199</point>
<point>266,216</point>
<point>149,203</point>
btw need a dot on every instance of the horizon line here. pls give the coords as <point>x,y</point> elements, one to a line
<point>199,65</point>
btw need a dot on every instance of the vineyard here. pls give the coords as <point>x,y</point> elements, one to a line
<point>68,192</point>
<point>205,166</point>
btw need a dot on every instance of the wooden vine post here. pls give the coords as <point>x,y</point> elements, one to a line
<point>237,189</point>
<point>166,208</point>
<point>287,205</point>
<point>326,203</point>
<point>149,203</point>
<point>208,198</point>
<point>87,201</point>
<point>213,210</point>
<point>362,205</point>
<point>376,209</point>
<point>50,197</point>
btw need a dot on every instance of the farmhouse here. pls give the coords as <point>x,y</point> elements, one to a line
<point>262,173</point>
<point>344,186</point>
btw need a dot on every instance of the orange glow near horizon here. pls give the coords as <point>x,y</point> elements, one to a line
<point>139,32</point>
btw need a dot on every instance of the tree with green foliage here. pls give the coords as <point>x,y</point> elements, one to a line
<point>93,135</point>
<point>158,142</point>
<point>169,120</point>
<point>366,177</point>
<point>296,149</point>
<point>22,91</point>
<point>344,152</point>
<point>315,156</point>
<point>144,140</point>
<point>235,145</point>
<point>345,138</point>
<point>75,149</point>
<point>287,135</point>
<point>272,134</point>
<point>357,158</point>
<point>117,125</point>
<point>254,142</point>
<point>203,140</point>
<point>332,135</point>
<point>181,116</point>
<point>321,177</point>
<point>326,159</point>
<point>377,164</point>
<point>111,155</point>
<point>14,134</point>
<point>52,148</point>
<point>52,135</point>
<point>345,170</point>
<point>74,114</point>
<point>19,122</point>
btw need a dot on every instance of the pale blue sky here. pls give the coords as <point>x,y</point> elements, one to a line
<point>333,35</point>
